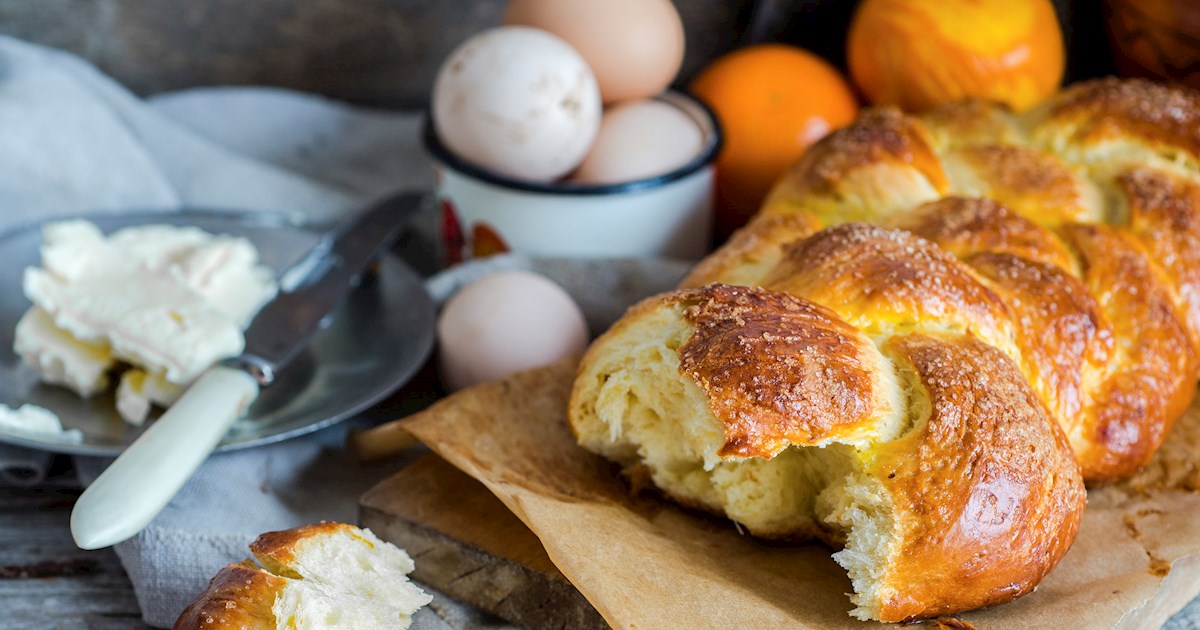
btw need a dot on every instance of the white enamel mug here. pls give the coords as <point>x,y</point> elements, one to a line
<point>669,215</point>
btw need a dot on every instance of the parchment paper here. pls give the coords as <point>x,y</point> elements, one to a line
<point>644,563</point>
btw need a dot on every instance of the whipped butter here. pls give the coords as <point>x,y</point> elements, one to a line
<point>59,358</point>
<point>140,390</point>
<point>36,421</point>
<point>167,301</point>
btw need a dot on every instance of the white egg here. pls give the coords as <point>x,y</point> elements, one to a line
<point>505,323</point>
<point>518,101</point>
<point>639,140</point>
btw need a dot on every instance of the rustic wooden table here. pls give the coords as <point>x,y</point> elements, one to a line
<point>45,580</point>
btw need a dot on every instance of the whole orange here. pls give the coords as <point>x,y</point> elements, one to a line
<point>918,54</point>
<point>772,101</point>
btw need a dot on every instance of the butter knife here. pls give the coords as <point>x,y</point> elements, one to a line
<point>142,480</point>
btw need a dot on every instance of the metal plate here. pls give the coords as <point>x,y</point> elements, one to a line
<point>373,344</point>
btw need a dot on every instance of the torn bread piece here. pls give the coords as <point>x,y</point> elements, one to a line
<point>328,575</point>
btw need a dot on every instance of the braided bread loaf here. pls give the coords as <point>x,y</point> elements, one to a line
<point>933,332</point>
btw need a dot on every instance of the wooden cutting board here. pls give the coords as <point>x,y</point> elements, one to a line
<point>468,545</point>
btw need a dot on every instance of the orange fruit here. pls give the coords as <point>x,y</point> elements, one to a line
<point>918,54</point>
<point>773,101</point>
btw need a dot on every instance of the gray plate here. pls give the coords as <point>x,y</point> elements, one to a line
<point>374,343</point>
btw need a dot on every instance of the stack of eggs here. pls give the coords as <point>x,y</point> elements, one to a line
<point>565,91</point>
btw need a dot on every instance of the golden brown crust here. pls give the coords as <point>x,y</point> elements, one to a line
<point>1060,330</point>
<point>1034,183</point>
<point>239,597</point>
<point>971,122</point>
<point>965,226</point>
<point>276,551</point>
<point>886,280</point>
<point>879,163</point>
<point>751,251</point>
<point>878,136</point>
<point>1164,214</point>
<point>987,497</point>
<point>1095,112</point>
<point>778,370</point>
<point>1150,378</point>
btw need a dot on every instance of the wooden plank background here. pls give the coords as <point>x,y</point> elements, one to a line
<point>386,52</point>
<point>45,580</point>
<point>378,52</point>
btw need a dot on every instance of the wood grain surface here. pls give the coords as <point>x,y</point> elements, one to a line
<point>468,545</point>
<point>47,582</point>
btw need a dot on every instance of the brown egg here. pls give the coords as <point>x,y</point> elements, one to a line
<point>634,47</point>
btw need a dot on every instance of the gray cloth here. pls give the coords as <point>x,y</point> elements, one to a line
<point>75,142</point>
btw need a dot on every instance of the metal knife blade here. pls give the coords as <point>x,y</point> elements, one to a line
<point>317,284</point>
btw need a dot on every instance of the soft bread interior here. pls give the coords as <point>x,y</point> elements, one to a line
<point>342,577</point>
<point>633,405</point>
<point>858,505</point>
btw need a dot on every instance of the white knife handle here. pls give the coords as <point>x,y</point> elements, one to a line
<point>140,483</point>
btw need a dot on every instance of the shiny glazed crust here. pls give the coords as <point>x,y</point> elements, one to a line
<point>778,371</point>
<point>239,597</point>
<point>1095,198</point>
<point>276,551</point>
<point>987,495</point>
<point>1032,284</point>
